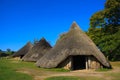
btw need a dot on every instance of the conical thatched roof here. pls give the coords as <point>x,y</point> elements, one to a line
<point>75,42</point>
<point>38,50</point>
<point>23,50</point>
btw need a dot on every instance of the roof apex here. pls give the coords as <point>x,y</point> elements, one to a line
<point>29,43</point>
<point>43,38</point>
<point>74,26</point>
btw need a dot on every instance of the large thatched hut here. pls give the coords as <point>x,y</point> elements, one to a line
<point>74,50</point>
<point>37,51</point>
<point>20,53</point>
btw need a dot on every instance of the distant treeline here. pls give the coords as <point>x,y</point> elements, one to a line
<point>6,53</point>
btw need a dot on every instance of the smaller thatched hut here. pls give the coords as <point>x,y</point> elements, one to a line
<point>37,51</point>
<point>20,53</point>
<point>74,50</point>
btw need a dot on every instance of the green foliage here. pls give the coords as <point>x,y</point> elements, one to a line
<point>109,18</point>
<point>108,44</point>
<point>8,52</point>
<point>105,29</point>
<point>3,53</point>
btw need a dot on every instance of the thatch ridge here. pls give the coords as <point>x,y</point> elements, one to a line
<point>21,52</point>
<point>75,42</point>
<point>38,50</point>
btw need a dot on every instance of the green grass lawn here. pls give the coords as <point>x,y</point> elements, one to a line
<point>116,63</point>
<point>103,70</point>
<point>8,70</point>
<point>73,78</point>
<point>63,78</point>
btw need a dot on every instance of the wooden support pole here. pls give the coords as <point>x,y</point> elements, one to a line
<point>87,63</point>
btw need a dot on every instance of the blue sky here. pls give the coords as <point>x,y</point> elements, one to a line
<point>25,20</point>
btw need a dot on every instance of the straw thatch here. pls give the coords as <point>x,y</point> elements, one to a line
<point>20,53</point>
<point>38,50</point>
<point>75,42</point>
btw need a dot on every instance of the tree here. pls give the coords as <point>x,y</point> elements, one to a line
<point>109,18</point>
<point>105,29</point>
<point>0,50</point>
<point>9,51</point>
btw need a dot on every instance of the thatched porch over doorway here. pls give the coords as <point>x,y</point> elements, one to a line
<point>80,62</point>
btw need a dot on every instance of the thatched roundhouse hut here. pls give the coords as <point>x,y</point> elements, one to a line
<point>20,53</point>
<point>75,50</point>
<point>37,51</point>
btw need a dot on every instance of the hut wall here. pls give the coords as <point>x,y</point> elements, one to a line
<point>93,63</point>
<point>66,64</point>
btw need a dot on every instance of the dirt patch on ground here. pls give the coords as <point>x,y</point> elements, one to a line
<point>42,74</point>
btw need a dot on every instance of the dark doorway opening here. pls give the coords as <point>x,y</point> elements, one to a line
<point>78,62</point>
<point>21,56</point>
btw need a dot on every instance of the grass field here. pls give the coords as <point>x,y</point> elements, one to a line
<point>8,70</point>
<point>11,69</point>
<point>63,78</point>
<point>73,78</point>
